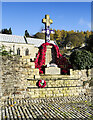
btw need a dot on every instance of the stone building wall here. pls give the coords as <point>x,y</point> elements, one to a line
<point>22,46</point>
<point>19,80</point>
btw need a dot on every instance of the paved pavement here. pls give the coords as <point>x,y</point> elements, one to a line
<point>53,110</point>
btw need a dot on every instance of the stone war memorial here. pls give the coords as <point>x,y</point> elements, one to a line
<point>36,87</point>
<point>49,60</point>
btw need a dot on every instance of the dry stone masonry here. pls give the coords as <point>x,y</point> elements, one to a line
<point>19,80</point>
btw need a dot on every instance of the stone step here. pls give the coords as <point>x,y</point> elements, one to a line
<point>57,77</point>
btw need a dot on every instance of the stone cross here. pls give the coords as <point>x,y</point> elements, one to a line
<point>47,21</point>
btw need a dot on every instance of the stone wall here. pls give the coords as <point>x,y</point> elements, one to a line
<point>19,80</point>
<point>56,88</point>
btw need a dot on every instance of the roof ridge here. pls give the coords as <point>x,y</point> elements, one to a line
<point>10,35</point>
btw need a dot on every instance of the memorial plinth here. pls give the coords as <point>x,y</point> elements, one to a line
<point>52,71</point>
<point>48,55</point>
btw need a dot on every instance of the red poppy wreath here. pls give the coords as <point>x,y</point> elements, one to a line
<point>42,83</point>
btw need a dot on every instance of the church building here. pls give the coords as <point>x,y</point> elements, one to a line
<point>21,45</point>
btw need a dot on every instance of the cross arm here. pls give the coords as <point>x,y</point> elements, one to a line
<point>51,21</point>
<point>44,20</point>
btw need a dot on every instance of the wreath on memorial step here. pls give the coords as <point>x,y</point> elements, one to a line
<point>41,83</point>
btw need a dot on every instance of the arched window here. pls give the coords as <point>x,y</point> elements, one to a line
<point>18,51</point>
<point>27,52</point>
